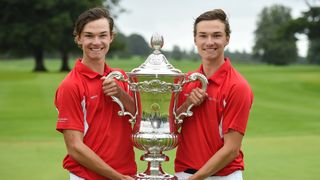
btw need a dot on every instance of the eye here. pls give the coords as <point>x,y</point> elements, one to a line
<point>88,35</point>
<point>217,35</point>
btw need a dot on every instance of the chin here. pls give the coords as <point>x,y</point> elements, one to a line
<point>96,58</point>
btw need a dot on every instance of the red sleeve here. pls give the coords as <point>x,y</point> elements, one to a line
<point>237,107</point>
<point>70,106</point>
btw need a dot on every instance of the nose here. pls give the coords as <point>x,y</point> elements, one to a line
<point>210,40</point>
<point>96,40</point>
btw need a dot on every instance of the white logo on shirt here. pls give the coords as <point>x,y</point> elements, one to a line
<point>93,97</point>
<point>62,119</point>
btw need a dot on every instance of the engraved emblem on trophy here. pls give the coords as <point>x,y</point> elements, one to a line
<point>154,83</point>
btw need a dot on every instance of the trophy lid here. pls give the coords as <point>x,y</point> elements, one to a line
<point>156,63</point>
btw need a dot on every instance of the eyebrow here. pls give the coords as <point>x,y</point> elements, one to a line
<point>103,32</point>
<point>218,32</point>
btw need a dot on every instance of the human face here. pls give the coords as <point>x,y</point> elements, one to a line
<point>211,39</point>
<point>95,40</point>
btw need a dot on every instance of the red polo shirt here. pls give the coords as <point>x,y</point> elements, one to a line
<point>82,106</point>
<point>227,107</point>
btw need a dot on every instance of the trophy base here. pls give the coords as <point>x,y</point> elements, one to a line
<point>154,170</point>
<point>142,176</point>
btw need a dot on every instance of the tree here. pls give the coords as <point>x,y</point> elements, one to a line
<point>176,53</point>
<point>31,27</point>
<point>114,7</point>
<point>25,27</point>
<point>271,44</point>
<point>313,32</point>
<point>309,24</point>
<point>137,45</point>
<point>65,14</point>
<point>118,46</point>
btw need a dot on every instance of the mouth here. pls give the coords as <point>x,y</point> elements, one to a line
<point>96,49</point>
<point>210,49</point>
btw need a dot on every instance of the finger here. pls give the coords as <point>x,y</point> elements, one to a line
<point>110,85</point>
<point>201,94</point>
<point>197,97</point>
<point>107,87</point>
<point>194,99</point>
<point>107,81</point>
<point>201,91</point>
<point>109,91</point>
<point>198,94</point>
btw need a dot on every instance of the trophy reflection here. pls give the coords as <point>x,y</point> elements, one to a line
<point>154,83</point>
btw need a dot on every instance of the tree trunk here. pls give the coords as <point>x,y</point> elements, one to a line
<point>314,51</point>
<point>39,62</point>
<point>64,63</point>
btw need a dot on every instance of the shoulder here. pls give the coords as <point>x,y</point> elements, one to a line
<point>237,79</point>
<point>72,83</point>
<point>237,85</point>
<point>241,89</point>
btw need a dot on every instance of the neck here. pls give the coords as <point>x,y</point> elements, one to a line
<point>96,66</point>
<point>210,67</point>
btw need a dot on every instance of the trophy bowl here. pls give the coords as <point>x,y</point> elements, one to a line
<point>155,85</point>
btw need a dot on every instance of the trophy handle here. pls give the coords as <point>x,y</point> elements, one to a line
<point>193,77</point>
<point>119,76</point>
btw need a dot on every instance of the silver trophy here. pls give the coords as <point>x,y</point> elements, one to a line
<point>155,85</point>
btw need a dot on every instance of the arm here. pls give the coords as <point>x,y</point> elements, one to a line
<point>235,117</point>
<point>86,157</point>
<point>229,151</point>
<point>111,88</point>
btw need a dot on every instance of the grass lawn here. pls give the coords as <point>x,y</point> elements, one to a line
<point>281,142</point>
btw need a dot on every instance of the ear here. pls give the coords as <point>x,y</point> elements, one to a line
<point>113,35</point>
<point>227,40</point>
<point>77,40</point>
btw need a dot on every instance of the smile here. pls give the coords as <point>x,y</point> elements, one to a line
<point>96,49</point>
<point>210,49</point>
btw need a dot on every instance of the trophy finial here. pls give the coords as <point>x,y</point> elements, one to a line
<point>156,63</point>
<point>156,41</point>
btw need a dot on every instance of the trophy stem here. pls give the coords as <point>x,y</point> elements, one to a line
<point>154,83</point>
<point>154,169</point>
